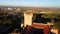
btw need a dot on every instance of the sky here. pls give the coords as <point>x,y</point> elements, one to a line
<point>31,3</point>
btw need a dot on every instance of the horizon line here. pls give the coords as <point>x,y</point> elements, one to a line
<point>29,6</point>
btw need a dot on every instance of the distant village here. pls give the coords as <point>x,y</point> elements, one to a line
<point>34,10</point>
